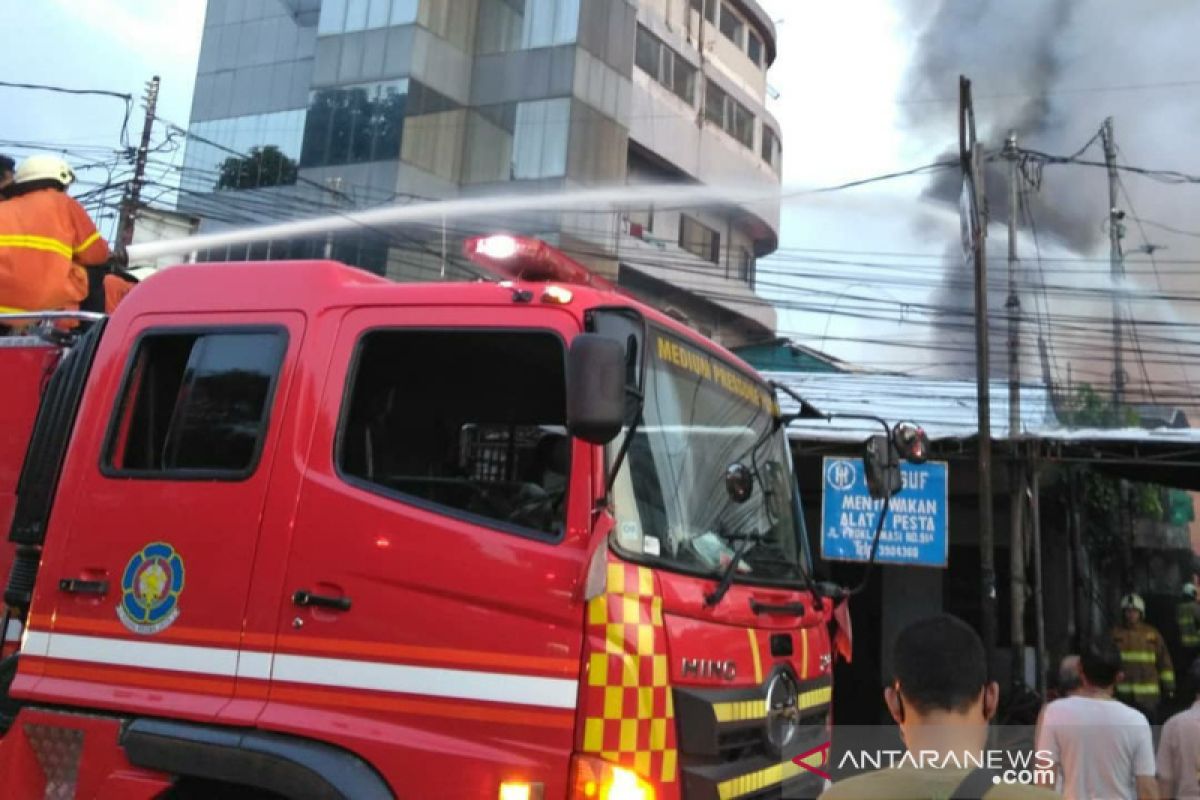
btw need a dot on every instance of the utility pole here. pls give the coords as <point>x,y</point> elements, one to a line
<point>1116,229</point>
<point>134,194</point>
<point>975,235</point>
<point>1016,467</point>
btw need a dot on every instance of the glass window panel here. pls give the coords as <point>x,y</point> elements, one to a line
<point>196,402</point>
<point>646,52</point>
<point>699,239</point>
<point>566,21</point>
<point>404,12</point>
<point>356,15</point>
<point>685,80</point>
<point>500,23</point>
<point>505,438</point>
<point>378,15</point>
<point>743,124</point>
<point>555,138</point>
<point>539,23</point>
<point>770,147</point>
<point>333,16</point>
<point>706,7</point>
<point>714,104</point>
<point>527,140</point>
<point>731,24</point>
<point>754,48</point>
<point>354,124</point>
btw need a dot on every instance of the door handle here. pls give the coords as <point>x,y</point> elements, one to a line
<point>81,586</point>
<point>303,597</point>
<point>796,609</point>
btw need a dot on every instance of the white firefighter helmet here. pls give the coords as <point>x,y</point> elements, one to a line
<point>42,168</point>
<point>1189,589</point>
<point>1133,600</point>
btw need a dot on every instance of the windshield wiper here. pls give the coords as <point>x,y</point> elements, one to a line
<point>739,552</point>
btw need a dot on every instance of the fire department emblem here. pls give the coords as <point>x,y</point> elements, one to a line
<point>150,588</point>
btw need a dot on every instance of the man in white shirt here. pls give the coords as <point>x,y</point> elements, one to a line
<point>1101,747</point>
<point>1179,749</point>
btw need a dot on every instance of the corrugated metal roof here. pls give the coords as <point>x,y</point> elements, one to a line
<point>946,409</point>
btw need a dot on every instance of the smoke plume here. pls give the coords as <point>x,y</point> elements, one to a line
<point>1052,70</point>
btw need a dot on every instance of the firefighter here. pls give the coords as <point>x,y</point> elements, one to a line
<point>47,240</point>
<point>1187,619</point>
<point>1146,668</point>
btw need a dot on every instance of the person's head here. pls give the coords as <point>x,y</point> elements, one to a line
<point>1133,608</point>
<point>43,172</point>
<point>1100,664</point>
<point>940,676</point>
<point>1069,678</point>
<point>7,166</point>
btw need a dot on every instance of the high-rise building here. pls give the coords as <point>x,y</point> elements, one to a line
<point>310,105</point>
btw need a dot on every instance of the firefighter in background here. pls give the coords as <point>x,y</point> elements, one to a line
<point>1187,619</point>
<point>1147,673</point>
<point>47,240</point>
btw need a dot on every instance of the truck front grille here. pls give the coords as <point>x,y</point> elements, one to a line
<point>724,751</point>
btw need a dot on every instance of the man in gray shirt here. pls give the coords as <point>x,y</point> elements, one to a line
<point>1101,747</point>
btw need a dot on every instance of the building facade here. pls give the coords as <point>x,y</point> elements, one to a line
<point>310,106</point>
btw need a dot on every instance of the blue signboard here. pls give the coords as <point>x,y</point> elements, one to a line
<point>914,532</point>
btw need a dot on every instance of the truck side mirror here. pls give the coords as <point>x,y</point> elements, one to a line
<point>595,388</point>
<point>881,462</point>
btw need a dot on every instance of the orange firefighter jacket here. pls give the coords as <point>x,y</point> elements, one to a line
<point>1145,662</point>
<point>46,238</point>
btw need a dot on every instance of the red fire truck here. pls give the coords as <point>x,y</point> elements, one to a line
<point>332,536</point>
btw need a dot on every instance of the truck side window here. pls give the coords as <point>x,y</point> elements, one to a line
<point>195,404</point>
<point>466,421</point>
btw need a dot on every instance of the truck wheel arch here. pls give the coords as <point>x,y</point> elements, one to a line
<point>285,765</point>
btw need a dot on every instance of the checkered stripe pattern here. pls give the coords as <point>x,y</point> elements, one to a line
<point>630,716</point>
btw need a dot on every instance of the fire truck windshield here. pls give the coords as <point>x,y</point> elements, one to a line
<point>701,416</point>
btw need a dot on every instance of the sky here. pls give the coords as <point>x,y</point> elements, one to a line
<point>863,88</point>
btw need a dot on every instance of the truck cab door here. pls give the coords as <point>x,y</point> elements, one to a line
<point>141,598</point>
<point>432,617</point>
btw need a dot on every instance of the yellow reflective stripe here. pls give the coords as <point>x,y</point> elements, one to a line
<point>36,243</point>
<point>11,310</point>
<point>1138,656</point>
<point>1167,676</point>
<point>740,710</point>
<point>743,710</point>
<point>88,242</point>
<point>765,778</point>
<point>1137,688</point>
<point>814,697</point>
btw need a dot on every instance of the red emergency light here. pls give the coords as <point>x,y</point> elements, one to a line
<point>523,258</point>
